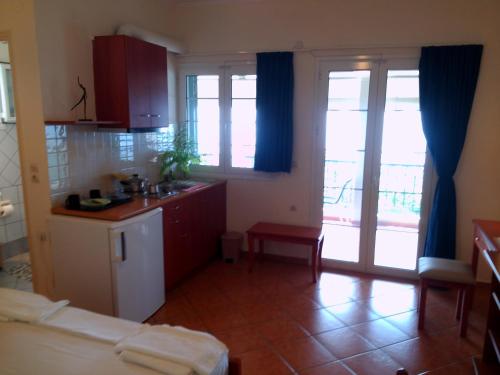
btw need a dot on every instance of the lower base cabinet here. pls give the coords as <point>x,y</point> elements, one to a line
<point>192,228</point>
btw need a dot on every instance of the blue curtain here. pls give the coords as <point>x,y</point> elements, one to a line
<point>274,143</point>
<point>448,77</point>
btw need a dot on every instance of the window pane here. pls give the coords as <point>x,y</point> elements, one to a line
<point>402,91</point>
<point>344,163</point>
<point>401,173</point>
<point>202,113</point>
<point>244,86</point>
<point>243,115</point>
<point>208,87</point>
<point>350,91</point>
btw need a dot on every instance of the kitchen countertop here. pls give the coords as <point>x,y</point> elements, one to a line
<point>138,206</point>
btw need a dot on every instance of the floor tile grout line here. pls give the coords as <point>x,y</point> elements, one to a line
<point>302,292</point>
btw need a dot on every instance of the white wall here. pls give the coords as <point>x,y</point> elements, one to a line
<point>229,26</point>
<point>65,29</point>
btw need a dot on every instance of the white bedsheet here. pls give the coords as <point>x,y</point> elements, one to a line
<point>27,349</point>
<point>92,325</point>
<point>34,350</point>
<point>26,307</point>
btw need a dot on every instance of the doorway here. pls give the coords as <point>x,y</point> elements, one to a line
<point>15,265</point>
<point>375,189</point>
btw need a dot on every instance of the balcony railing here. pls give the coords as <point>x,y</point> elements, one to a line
<point>400,193</point>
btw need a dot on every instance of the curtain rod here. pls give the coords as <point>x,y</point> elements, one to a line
<point>299,49</point>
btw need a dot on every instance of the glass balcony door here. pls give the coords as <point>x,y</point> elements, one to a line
<point>374,167</point>
<point>349,91</point>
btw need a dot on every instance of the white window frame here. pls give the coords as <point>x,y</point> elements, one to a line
<point>203,69</point>
<point>224,68</point>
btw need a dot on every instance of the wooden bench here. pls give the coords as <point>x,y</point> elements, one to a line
<point>286,233</point>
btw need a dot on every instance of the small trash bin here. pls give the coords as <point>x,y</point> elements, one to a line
<point>231,246</point>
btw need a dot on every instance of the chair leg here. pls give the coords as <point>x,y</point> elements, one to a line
<point>466,306</point>
<point>421,303</point>
<point>460,300</point>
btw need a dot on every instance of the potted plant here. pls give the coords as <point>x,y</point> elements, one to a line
<point>181,153</point>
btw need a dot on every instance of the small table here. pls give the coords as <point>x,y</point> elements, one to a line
<point>286,233</point>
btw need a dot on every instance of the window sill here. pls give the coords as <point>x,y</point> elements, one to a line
<point>236,175</point>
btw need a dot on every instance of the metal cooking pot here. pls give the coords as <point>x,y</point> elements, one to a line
<point>134,184</point>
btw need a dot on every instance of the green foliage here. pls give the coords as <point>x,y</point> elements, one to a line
<point>180,155</point>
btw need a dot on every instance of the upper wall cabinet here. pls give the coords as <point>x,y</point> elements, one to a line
<point>130,79</point>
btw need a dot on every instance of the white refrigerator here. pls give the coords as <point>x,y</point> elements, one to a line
<point>113,268</point>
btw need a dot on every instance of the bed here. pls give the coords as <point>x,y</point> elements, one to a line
<point>73,341</point>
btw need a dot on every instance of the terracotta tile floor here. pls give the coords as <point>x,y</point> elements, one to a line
<point>278,322</point>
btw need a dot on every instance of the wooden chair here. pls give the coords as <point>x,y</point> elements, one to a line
<point>448,273</point>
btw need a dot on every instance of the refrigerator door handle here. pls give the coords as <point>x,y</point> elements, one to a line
<point>117,248</point>
<point>124,246</point>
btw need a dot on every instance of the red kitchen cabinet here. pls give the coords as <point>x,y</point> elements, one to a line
<point>193,226</point>
<point>130,81</point>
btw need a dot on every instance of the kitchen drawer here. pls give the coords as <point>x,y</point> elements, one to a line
<point>176,207</point>
<point>177,211</point>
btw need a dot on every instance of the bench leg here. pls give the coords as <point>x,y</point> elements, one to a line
<point>320,255</point>
<point>315,251</point>
<point>421,303</point>
<point>251,251</point>
<point>261,249</point>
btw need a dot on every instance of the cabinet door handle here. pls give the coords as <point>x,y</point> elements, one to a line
<point>156,116</point>
<point>145,115</point>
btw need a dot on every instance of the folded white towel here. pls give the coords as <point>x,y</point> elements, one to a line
<point>199,351</point>
<point>27,307</point>
<point>161,365</point>
<point>91,325</point>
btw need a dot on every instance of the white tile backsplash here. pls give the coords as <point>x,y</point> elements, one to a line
<point>82,158</point>
<point>8,146</point>
<point>3,236</point>
<point>14,231</point>
<point>11,173</point>
<point>12,227</point>
<point>10,193</point>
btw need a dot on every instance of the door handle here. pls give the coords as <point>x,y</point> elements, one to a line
<point>124,246</point>
<point>156,116</point>
<point>145,115</point>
